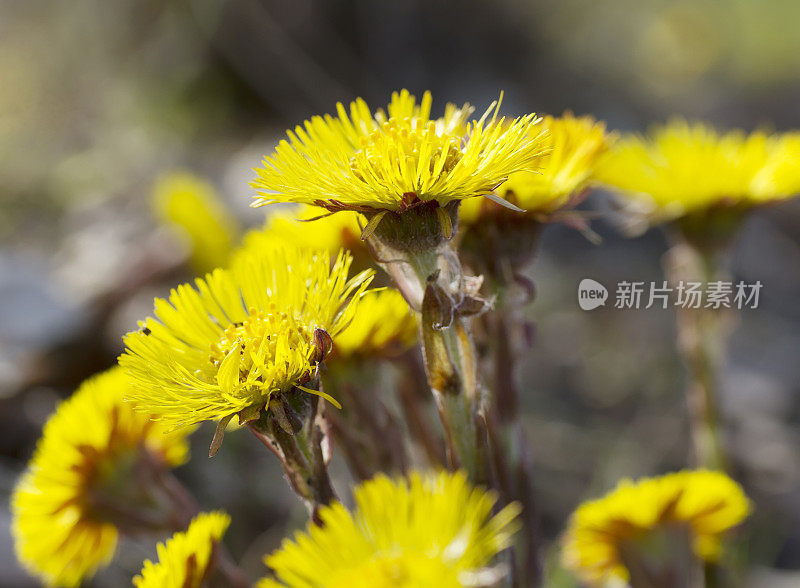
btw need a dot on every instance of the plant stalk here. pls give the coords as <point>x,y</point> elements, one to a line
<point>414,248</point>
<point>302,458</point>
<point>510,445</point>
<point>450,365</point>
<point>700,341</point>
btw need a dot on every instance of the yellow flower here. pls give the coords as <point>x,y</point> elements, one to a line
<point>191,205</point>
<point>183,560</point>
<point>781,175</point>
<point>241,335</point>
<point>383,326</point>
<point>393,159</point>
<point>684,168</point>
<point>308,227</point>
<point>425,531</point>
<point>576,147</point>
<point>295,227</point>
<point>706,504</point>
<point>62,532</point>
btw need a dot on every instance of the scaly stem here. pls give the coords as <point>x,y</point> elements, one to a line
<point>450,365</point>
<point>294,429</point>
<point>321,486</point>
<point>510,454</point>
<point>414,249</point>
<point>500,248</point>
<point>699,334</point>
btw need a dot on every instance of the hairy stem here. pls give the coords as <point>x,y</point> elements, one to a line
<point>451,380</point>
<point>510,451</point>
<point>700,343</point>
<point>431,281</point>
<point>414,247</point>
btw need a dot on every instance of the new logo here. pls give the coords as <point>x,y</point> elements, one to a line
<point>591,294</point>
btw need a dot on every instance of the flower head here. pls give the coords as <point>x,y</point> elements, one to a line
<point>423,531</point>
<point>682,169</point>
<point>390,160</point>
<point>241,336</point>
<point>305,228</point>
<point>62,530</point>
<point>384,325</point>
<point>183,560</point>
<point>190,205</point>
<point>576,146</point>
<point>703,503</point>
<point>780,177</point>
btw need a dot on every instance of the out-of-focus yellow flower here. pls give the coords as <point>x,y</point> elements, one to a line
<point>683,168</point>
<point>781,175</point>
<point>429,530</point>
<point>705,504</point>
<point>241,336</point>
<point>576,145</point>
<point>383,326</point>
<point>62,527</point>
<point>183,560</point>
<point>190,205</point>
<point>392,159</point>
<point>296,228</point>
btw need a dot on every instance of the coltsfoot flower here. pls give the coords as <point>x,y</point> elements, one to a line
<point>309,227</point>
<point>780,177</point>
<point>296,228</point>
<point>63,508</point>
<point>190,205</point>
<point>383,325</point>
<point>241,337</point>
<point>576,146</point>
<point>183,560</point>
<point>703,505</point>
<point>498,242</point>
<point>394,159</point>
<point>684,169</point>
<point>428,530</point>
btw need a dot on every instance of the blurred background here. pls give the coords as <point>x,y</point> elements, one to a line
<point>99,98</point>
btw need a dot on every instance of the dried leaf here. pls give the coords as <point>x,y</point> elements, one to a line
<point>372,225</point>
<point>219,434</point>
<point>502,202</point>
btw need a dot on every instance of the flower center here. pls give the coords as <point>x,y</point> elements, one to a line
<point>118,485</point>
<point>658,554</point>
<point>399,570</point>
<point>399,148</point>
<point>269,348</point>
